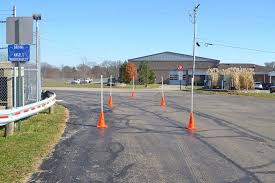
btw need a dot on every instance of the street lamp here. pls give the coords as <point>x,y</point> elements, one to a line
<point>37,17</point>
<point>191,123</point>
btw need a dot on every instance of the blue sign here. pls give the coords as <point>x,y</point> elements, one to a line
<point>19,53</point>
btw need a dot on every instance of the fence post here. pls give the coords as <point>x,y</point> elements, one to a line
<point>9,129</point>
<point>51,109</point>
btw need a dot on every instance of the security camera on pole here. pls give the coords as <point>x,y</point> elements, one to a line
<point>191,123</point>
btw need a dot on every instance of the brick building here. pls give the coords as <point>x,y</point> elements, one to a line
<point>176,68</point>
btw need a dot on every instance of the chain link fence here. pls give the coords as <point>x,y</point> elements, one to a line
<point>6,85</point>
<point>18,81</point>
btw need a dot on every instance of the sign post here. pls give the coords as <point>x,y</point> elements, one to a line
<point>162,103</point>
<point>110,101</point>
<point>133,90</point>
<point>180,73</point>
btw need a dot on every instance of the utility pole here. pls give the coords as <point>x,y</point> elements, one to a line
<point>18,70</point>
<point>37,17</point>
<point>147,75</point>
<point>14,11</point>
<point>191,123</point>
<point>194,16</point>
<point>9,128</point>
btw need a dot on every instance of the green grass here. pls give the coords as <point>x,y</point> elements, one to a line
<point>21,152</point>
<point>250,94</point>
<point>48,83</point>
<point>260,95</point>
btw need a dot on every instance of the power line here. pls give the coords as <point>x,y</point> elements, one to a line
<point>235,47</point>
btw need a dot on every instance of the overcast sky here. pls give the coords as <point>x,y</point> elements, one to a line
<point>122,29</point>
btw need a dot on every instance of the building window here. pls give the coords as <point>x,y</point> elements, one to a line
<point>174,77</point>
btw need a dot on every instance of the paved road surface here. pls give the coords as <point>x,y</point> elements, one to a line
<point>235,141</point>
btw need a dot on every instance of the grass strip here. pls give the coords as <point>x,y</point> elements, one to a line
<point>21,153</point>
<point>249,94</point>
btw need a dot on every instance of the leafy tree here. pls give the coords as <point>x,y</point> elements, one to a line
<point>130,72</point>
<point>122,72</point>
<point>151,77</point>
<point>146,75</point>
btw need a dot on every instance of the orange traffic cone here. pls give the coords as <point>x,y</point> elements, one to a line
<point>110,102</point>
<point>101,121</point>
<point>133,93</point>
<point>191,123</point>
<point>162,103</point>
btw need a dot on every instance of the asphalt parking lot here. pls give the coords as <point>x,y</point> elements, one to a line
<point>235,141</point>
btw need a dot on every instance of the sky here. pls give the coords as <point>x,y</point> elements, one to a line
<point>100,30</point>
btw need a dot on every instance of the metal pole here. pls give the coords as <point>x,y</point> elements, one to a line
<point>14,87</point>
<point>37,63</point>
<point>147,75</point>
<point>15,70</point>
<point>101,93</point>
<point>162,92</point>
<point>133,83</point>
<point>111,85</point>
<point>14,11</point>
<point>18,84</point>
<point>194,57</point>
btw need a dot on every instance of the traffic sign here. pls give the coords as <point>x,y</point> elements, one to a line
<point>180,67</point>
<point>19,53</point>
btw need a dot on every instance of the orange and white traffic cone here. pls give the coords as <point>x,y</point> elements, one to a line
<point>162,103</point>
<point>191,123</point>
<point>110,102</point>
<point>101,121</point>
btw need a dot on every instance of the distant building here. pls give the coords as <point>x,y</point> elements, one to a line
<point>176,68</point>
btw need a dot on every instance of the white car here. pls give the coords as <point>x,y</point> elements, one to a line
<point>258,86</point>
<point>86,81</point>
<point>75,81</point>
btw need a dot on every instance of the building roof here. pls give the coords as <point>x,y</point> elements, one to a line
<point>170,56</point>
<point>257,68</point>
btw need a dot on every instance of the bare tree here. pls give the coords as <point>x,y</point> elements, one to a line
<point>49,71</point>
<point>270,65</point>
<point>84,70</point>
<point>112,68</point>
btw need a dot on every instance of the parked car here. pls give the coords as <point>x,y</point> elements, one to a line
<point>114,82</point>
<point>272,88</point>
<point>258,86</point>
<point>86,81</point>
<point>75,81</point>
<point>266,86</point>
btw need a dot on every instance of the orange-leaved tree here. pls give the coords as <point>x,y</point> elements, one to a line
<point>130,71</point>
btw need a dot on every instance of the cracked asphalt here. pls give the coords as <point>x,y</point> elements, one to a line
<point>235,141</point>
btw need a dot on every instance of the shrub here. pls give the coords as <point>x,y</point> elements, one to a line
<point>239,78</point>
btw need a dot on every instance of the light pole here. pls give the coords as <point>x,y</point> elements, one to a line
<point>147,75</point>
<point>37,17</point>
<point>191,124</point>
